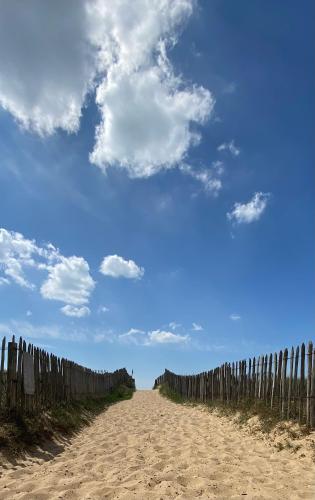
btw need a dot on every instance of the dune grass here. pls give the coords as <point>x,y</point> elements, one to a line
<point>242,410</point>
<point>22,431</point>
<point>165,391</point>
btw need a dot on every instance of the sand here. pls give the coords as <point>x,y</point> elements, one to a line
<point>151,448</point>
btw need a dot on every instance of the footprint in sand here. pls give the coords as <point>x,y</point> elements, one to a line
<point>129,453</point>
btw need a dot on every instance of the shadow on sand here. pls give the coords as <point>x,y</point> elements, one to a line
<point>41,438</point>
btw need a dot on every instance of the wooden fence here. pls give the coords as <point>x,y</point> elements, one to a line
<point>31,379</point>
<point>284,381</point>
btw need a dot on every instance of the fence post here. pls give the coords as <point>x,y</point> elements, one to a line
<point>274,380</point>
<point>284,379</point>
<point>309,383</point>
<point>253,391</point>
<point>290,382</point>
<point>11,375</point>
<point>266,377</point>
<point>296,391</point>
<point>19,386</point>
<point>302,383</point>
<point>262,378</point>
<point>2,375</point>
<point>312,408</point>
<point>269,378</point>
<point>279,385</point>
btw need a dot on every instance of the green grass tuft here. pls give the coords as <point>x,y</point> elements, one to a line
<point>246,409</point>
<point>165,391</point>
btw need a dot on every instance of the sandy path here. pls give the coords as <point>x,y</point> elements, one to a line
<point>151,448</point>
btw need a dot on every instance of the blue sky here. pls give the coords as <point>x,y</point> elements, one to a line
<point>156,180</point>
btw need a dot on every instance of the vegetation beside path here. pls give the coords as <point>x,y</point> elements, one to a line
<point>256,418</point>
<point>21,432</point>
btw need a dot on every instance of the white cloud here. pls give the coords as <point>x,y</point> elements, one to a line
<point>75,312</point>
<point>69,281</point>
<point>229,146</point>
<point>18,254</point>
<point>29,313</point>
<point>164,337</point>
<point>146,121</point>
<point>30,331</point>
<point>235,317</point>
<point>196,327</point>
<point>66,50</point>
<point>128,32</point>
<point>146,111</point>
<point>133,336</point>
<point>15,272</point>
<point>117,267</point>
<point>99,337</point>
<point>251,211</point>
<point>52,331</point>
<point>209,177</point>
<point>173,325</point>
<point>133,331</point>
<point>213,347</point>
<point>103,309</point>
<point>151,338</point>
<point>5,329</point>
<point>45,71</point>
<point>4,281</point>
<point>229,88</point>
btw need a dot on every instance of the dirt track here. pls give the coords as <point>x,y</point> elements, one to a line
<point>151,448</point>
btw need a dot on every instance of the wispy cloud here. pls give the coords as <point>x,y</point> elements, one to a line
<point>251,211</point>
<point>102,309</point>
<point>229,88</point>
<point>71,333</point>
<point>206,347</point>
<point>210,177</point>
<point>33,332</point>
<point>104,335</point>
<point>235,317</point>
<point>132,332</point>
<point>196,327</point>
<point>173,325</point>
<point>229,146</point>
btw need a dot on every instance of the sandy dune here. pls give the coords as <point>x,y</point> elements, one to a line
<point>151,448</point>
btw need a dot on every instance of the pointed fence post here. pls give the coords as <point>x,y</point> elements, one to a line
<point>309,383</point>
<point>11,375</point>
<point>312,407</point>
<point>284,380</point>
<point>302,383</point>
<point>290,383</point>
<point>2,374</point>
